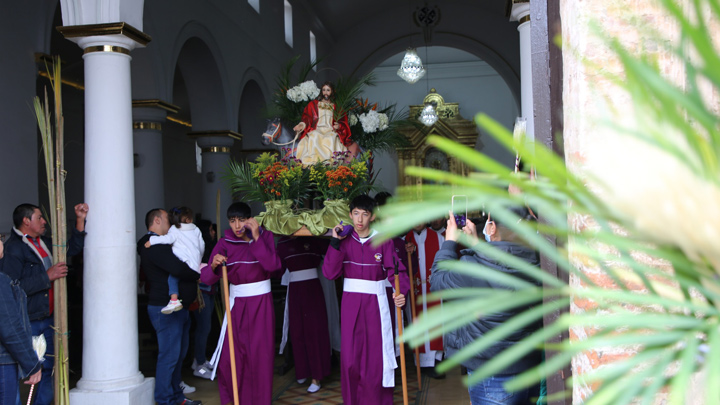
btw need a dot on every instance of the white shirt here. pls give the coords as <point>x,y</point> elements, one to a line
<point>187,244</point>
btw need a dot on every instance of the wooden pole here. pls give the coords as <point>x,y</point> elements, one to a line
<point>231,339</point>
<point>413,310</point>
<point>400,332</point>
<point>229,329</point>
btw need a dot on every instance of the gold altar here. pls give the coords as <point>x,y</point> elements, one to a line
<point>450,125</point>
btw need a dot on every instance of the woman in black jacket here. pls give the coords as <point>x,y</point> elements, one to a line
<point>490,390</point>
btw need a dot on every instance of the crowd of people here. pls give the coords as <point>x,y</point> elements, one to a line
<point>182,276</point>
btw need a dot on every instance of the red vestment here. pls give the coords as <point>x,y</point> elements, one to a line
<point>310,118</point>
<point>431,247</point>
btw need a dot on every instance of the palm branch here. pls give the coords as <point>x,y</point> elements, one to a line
<point>239,178</point>
<point>665,302</point>
<point>280,106</point>
<point>347,91</point>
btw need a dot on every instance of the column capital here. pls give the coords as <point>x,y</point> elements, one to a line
<point>219,138</point>
<point>117,37</point>
<point>152,110</point>
<point>520,11</point>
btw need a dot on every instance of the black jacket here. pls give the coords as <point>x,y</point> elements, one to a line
<point>459,338</point>
<point>23,263</point>
<point>158,262</point>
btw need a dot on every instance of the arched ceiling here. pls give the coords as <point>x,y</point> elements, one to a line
<point>342,17</point>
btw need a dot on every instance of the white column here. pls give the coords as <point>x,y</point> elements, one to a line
<point>521,13</point>
<point>215,157</point>
<point>148,159</point>
<point>110,372</point>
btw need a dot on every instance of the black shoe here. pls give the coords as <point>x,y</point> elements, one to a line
<point>430,372</point>
<point>188,401</point>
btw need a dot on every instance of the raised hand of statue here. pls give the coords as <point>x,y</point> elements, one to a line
<point>299,127</point>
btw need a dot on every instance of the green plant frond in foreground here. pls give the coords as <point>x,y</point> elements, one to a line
<point>645,294</point>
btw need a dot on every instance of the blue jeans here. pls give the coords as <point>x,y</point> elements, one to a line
<point>491,392</point>
<point>8,384</point>
<point>173,338</point>
<point>172,285</point>
<point>44,392</point>
<point>203,318</point>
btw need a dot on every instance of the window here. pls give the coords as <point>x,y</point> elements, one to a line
<point>255,4</point>
<point>313,50</point>
<point>288,24</point>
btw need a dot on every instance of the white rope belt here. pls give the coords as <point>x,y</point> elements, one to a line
<point>377,288</point>
<point>237,291</point>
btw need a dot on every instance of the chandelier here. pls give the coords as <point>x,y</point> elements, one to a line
<point>429,116</point>
<point>411,68</point>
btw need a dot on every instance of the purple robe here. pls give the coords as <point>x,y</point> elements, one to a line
<point>307,315</point>
<point>253,318</point>
<point>361,358</point>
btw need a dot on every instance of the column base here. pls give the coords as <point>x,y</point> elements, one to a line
<point>141,394</point>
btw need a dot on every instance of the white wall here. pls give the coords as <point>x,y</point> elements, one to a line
<point>460,78</point>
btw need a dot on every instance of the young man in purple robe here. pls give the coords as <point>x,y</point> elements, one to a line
<point>305,313</point>
<point>367,358</point>
<point>249,251</point>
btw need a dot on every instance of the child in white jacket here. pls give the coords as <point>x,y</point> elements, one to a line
<point>187,244</point>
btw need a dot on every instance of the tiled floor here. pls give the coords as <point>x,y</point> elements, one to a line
<point>286,390</point>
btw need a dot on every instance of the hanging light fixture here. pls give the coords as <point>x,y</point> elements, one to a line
<point>411,68</point>
<point>429,116</point>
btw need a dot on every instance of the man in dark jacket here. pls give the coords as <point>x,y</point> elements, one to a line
<point>489,391</point>
<point>28,260</point>
<point>18,360</point>
<point>158,262</point>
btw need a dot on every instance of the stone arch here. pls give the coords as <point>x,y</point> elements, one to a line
<point>199,60</point>
<point>509,74</point>
<point>250,114</point>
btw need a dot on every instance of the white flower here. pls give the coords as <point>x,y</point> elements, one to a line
<point>372,121</point>
<point>309,89</point>
<point>305,91</point>
<point>295,95</point>
<point>384,121</point>
<point>352,119</point>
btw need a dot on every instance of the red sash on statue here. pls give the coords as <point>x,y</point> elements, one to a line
<point>432,245</point>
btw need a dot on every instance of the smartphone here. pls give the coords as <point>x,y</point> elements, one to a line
<point>461,216</point>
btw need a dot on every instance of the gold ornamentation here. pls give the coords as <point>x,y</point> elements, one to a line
<point>117,28</point>
<point>106,48</point>
<point>216,149</point>
<point>221,133</point>
<point>451,125</point>
<point>155,126</point>
<point>156,103</point>
<point>523,20</point>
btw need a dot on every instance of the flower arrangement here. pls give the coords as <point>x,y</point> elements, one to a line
<point>269,179</point>
<point>303,92</point>
<point>340,179</point>
<point>377,128</point>
<point>373,121</point>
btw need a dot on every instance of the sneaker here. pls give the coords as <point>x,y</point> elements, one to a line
<point>171,307</point>
<point>302,380</point>
<point>314,388</point>
<point>186,389</point>
<point>202,372</point>
<point>208,365</point>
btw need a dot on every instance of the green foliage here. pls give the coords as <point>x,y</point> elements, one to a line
<point>677,332</point>
<point>288,111</point>
<point>384,140</point>
<point>269,179</point>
